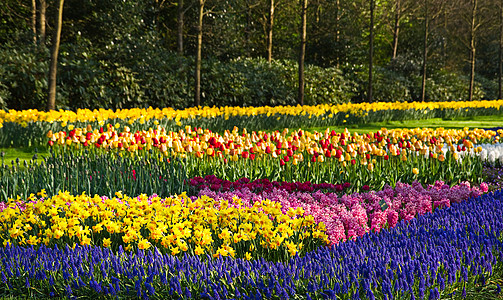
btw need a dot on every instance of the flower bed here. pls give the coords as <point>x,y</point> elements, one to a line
<point>445,254</point>
<point>349,216</point>
<point>374,159</point>
<point>26,127</point>
<point>177,225</point>
<point>395,214</point>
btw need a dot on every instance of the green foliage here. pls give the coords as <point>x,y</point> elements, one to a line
<point>92,84</point>
<point>388,86</point>
<point>23,76</point>
<point>443,85</point>
<point>121,55</point>
<point>93,173</point>
<point>327,85</point>
<point>489,87</point>
<point>4,91</point>
<point>255,82</point>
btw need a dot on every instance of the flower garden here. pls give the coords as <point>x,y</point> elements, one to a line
<point>218,203</point>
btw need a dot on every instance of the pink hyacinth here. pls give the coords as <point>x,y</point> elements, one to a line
<point>350,216</point>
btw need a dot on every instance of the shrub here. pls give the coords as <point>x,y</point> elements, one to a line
<point>447,86</point>
<point>388,86</point>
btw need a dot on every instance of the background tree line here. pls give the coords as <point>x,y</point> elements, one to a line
<point>178,53</point>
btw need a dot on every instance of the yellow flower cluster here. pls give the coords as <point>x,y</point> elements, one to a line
<point>142,115</point>
<point>174,225</point>
<point>294,146</point>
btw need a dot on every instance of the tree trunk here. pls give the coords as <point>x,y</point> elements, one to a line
<point>41,19</point>
<point>472,49</point>
<point>371,50</point>
<point>500,60</point>
<point>197,81</point>
<point>396,28</point>
<point>425,50</point>
<point>270,24</point>
<point>53,67</point>
<point>303,33</point>
<point>337,20</point>
<point>248,27</point>
<point>179,23</point>
<point>34,20</point>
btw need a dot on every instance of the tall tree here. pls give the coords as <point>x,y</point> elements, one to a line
<point>303,33</point>
<point>473,28</point>
<point>179,26</point>
<point>270,25</point>
<point>474,25</point>
<point>53,67</point>
<point>371,50</point>
<point>337,31</point>
<point>199,45</point>
<point>42,21</point>
<point>425,50</point>
<point>34,20</point>
<point>396,27</point>
<point>432,9</point>
<point>401,11</point>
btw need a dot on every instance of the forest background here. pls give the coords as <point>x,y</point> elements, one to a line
<point>161,53</point>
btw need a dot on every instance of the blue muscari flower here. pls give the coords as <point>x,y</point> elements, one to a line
<point>412,296</point>
<point>433,294</point>
<point>441,281</point>
<point>104,272</point>
<point>66,276</point>
<point>163,277</point>
<point>81,283</point>
<point>224,291</point>
<point>68,290</point>
<point>356,295</point>
<point>421,293</point>
<point>27,283</point>
<point>246,297</point>
<point>188,295</point>
<point>137,286</point>
<point>463,294</point>
<point>97,286</point>
<point>268,293</point>
<point>258,296</point>
<point>75,284</point>
<point>75,271</point>
<point>337,288</point>
<point>150,288</point>
<point>329,294</point>
<point>112,290</point>
<point>291,290</point>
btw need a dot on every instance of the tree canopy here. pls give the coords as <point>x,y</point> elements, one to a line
<point>119,54</point>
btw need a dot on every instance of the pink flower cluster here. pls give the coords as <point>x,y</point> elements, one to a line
<point>349,216</point>
<point>262,185</point>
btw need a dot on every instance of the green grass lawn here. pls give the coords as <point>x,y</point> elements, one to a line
<point>457,123</point>
<point>26,153</point>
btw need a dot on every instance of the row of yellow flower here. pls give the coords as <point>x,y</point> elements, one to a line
<point>175,225</point>
<point>132,115</point>
<point>287,145</point>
